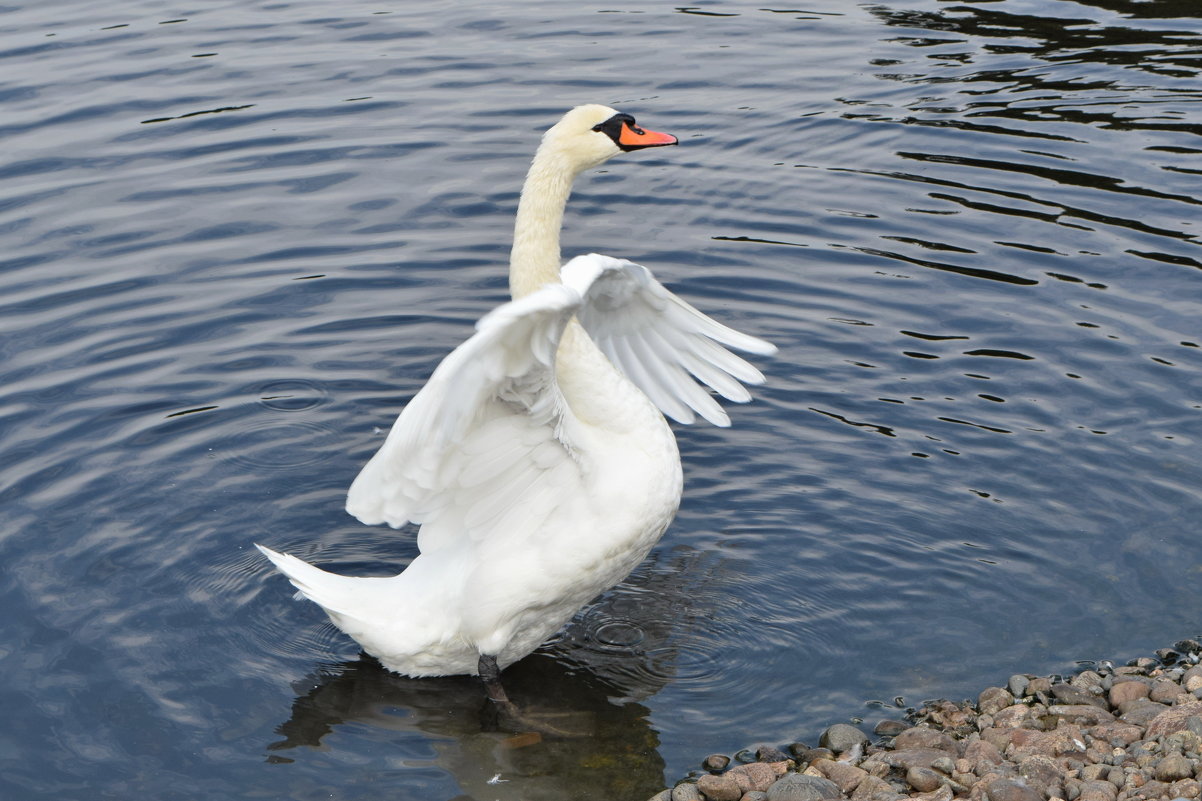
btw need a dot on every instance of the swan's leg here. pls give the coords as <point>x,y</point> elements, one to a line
<point>490,674</point>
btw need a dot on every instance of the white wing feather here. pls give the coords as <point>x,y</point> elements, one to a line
<point>484,429</point>
<point>485,449</point>
<point>662,344</point>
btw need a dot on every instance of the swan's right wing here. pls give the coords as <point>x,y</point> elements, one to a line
<point>662,344</point>
<point>486,439</point>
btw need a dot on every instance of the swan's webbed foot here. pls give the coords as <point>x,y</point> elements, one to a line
<point>507,710</point>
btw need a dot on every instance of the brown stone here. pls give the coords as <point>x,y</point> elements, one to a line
<point>924,780</point>
<point>944,793</point>
<point>1009,790</point>
<point>1082,714</point>
<point>1152,789</point>
<point>1003,772</point>
<point>1098,790</point>
<point>1172,768</point>
<point>982,755</point>
<point>1185,788</point>
<point>1012,716</point>
<point>1066,739</point>
<point>1075,694</point>
<point>993,699</point>
<point>1172,719</point>
<point>715,763</point>
<point>922,737</point>
<point>719,788</point>
<point>948,715</point>
<point>1165,691</point>
<point>1124,692</point>
<point>889,728</point>
<point>1039,684</point>
<point>998,738</point>
<point>1117,733</point>
<point>911,757</point>
<point>1042,775</point>
<point>872,788</point>
<point>755,775</point>
<point>1141,711</point>
<point>1136,778</point>
<point>844,774</point>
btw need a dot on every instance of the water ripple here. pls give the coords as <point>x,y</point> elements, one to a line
<point>236,242</point>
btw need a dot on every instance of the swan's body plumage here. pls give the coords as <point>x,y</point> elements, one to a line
<point>536,459</point>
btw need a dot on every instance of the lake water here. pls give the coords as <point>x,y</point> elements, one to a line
<point>236,237</point>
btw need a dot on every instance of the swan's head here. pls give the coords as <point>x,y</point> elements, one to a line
<point>591,135</point>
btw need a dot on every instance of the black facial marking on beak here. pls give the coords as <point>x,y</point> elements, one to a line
<point>622,129</point>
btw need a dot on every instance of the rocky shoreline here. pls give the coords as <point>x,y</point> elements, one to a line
<point>1129,733</point>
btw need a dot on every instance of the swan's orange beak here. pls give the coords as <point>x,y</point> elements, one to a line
<point>632,137</point>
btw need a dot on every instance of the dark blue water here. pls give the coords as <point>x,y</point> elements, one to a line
<point>235,239</point>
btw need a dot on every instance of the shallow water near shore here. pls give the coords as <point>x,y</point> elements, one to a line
<point>236,238</point>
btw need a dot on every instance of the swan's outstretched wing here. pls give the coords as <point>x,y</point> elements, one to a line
<point>484,437</point>
<point>662,344</point>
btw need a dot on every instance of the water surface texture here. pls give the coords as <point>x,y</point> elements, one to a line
<point>236,237</point>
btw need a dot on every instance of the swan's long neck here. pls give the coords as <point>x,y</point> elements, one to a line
<point>534,260</point>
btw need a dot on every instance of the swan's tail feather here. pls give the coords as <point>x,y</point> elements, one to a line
<point>330,591</point>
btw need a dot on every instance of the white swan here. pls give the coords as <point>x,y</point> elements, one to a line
<point>535,459</point>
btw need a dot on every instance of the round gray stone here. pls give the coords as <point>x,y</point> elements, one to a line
<point>799,787</point>
<point>1017,685</point>
<point>842,737</point>
<point>686,792</point>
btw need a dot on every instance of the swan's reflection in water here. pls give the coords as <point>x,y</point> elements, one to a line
<point>588,682</point>
<point>612,755</point>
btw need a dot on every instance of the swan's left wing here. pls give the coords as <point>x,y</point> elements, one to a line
<point>659,342</point>
<point>486,439</point>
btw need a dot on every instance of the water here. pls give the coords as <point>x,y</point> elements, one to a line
<point>237,237</point>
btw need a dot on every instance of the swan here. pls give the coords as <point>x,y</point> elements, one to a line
<point>536,460</point>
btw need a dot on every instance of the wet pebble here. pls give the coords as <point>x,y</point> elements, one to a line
<point>770,753</point>
<point>890,728</point>
<point>842,737</point>
<point>715,763</point>
<point>1017,685</point>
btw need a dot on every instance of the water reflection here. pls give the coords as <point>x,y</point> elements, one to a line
<point>611,753</point>
<point>589,683</point>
